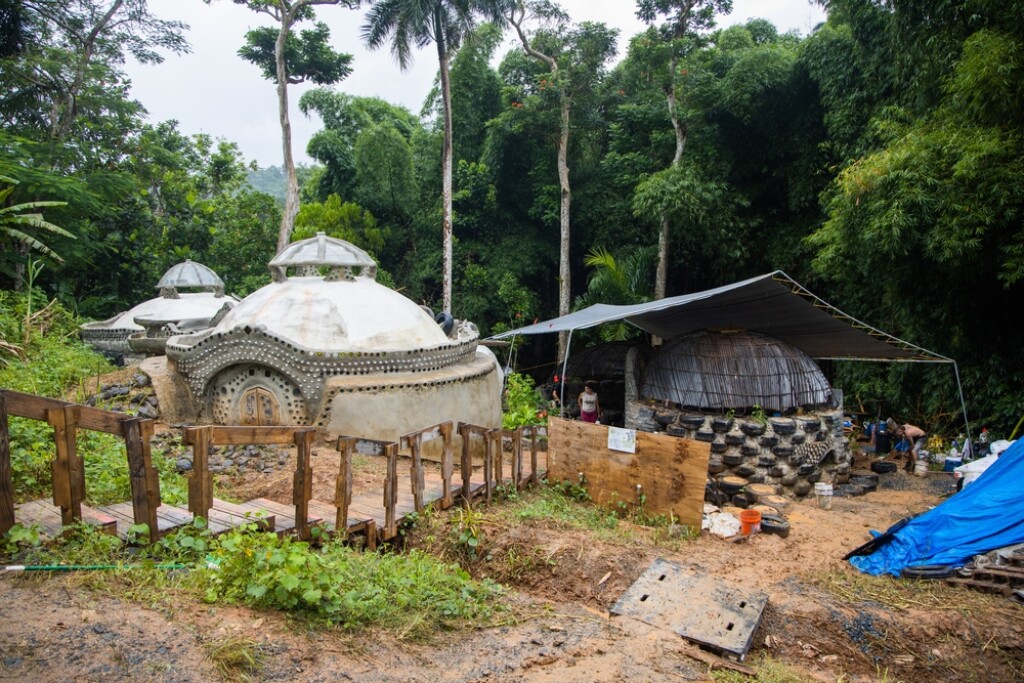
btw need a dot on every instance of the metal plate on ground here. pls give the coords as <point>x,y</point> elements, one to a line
<point>698,607</point>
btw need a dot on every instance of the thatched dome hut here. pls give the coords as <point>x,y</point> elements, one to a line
<point>714,371</point>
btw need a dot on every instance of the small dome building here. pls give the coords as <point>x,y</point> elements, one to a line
<point>144,329</point>
<point>326,345</point>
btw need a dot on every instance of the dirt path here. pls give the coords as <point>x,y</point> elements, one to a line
<point>70,628</point>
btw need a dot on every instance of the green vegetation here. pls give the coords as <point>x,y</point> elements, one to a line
<point>524,405</point>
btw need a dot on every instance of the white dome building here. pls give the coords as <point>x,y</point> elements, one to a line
<point>144,329</point>
<point>325,345</point>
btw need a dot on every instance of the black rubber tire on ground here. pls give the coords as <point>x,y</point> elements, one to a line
<point>847,490</point>
<point>927,571</point>
<point>740,501</point>
<point>883,466</point>
<point>865,483</point>
<point>774,524</point>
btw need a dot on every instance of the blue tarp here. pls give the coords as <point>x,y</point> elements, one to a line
<point>986,515</point>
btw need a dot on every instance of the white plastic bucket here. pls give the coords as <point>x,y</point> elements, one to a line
<point>921,468</point>
<point>823,494</point>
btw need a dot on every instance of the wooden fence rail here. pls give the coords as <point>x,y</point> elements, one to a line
<point>67,467</point>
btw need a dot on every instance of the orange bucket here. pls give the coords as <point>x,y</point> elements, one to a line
<point>749,521</point>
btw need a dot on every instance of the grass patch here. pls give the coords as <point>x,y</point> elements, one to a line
<point>900,594</point>
<point>768,670</point>
<point>550,504</point>
<point>237,658</point>
<point>411,594</point>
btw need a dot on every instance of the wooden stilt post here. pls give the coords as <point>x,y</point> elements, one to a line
<point>200,482</point>
<point>416,478</point>
<point>517,458</point>
<point>343,488</point>
<point>391,491</point>
<point>499,458</point>
<point>145,482</point>
<point>489,438</point>
<point>67,485</point>
<point>6,484</point>
<point>466,465</point>
<point>302,489</point>
<point>446,465</point>
<point>533,456</point>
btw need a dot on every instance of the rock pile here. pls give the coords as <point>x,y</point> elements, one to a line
<point>134,397</point>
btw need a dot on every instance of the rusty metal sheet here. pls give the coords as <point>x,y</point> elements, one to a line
<point>697,606</point>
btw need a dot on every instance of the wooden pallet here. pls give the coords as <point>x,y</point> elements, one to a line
<point>47,517</point>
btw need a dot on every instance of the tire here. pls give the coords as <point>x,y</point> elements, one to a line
<point>927,572</point>
<point>848,490</point>
<point>775,524</point>
<point>865,483</point>
<point>446,321</point>
<point>883,467</point>
<point>731,485</point>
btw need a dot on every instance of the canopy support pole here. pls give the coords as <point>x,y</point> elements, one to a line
<point>963,406</point>
<point>565,365</point>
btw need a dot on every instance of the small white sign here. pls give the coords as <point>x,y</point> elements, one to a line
<point>620,439</point>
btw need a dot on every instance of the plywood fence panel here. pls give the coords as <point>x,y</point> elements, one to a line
<point>671,471</point>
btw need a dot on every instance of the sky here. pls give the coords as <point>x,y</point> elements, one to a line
<point>212,90</point>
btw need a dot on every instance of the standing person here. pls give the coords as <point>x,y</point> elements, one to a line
<point>590,408</point>
<point>915,435</point>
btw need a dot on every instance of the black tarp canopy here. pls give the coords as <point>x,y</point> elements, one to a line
<point>773,304</point>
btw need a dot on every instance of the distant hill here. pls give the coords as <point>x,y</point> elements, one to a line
<point>270,180</point>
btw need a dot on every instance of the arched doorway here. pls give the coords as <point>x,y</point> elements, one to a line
<point>256,396</point>
<point>259,408</point>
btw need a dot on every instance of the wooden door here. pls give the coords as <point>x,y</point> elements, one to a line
<point>259,408</point>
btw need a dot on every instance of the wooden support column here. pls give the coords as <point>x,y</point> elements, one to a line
<point>533,456</point>
<point>416,478</point>
<point>6,484</point>
<point>391,491</point>
<point>302,489</point>
<point>68,470</point>
<point>200,482</point>
<point>489,438</point>
<point>145,482</point>
<point>343,488</point>
<point>517,457</point>
<point>466,464</point>
<point>498,458</point>
<point>446,465</point>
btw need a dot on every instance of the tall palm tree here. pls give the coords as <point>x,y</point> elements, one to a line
<point>618,281</point>
<point>410,24</point>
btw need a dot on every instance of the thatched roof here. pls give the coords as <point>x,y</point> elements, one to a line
<point>734,370</point>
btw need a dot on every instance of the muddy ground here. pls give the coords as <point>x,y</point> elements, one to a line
<point>824,622</point>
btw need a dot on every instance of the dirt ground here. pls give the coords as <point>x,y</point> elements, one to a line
<point>824,621</point>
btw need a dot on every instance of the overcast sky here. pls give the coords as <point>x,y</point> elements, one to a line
<point>212,90</point>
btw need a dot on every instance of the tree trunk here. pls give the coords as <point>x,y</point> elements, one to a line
<point>564,272</point>
<point>291,187</point>
<point>661,278</point>
<point>446,169</point>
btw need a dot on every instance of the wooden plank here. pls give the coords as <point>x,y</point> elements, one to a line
<point>200,481</point>
<point>343,484</point>
<point>60,467</point>
<point>517,457</point>
<point>32,407</point>
<point>671,471</point>
<point>466,463</point>
<point>264,520</point>
<point>143,478</point>
<point>447,465</point>
<point>416,470</point>
<point>284,515</point>
<point>489,466</point>
<point>533,456</point>
<point>168,518</point>
<point>42,513</point>
<point>302,489</point>
<point>391,491</point>
<point>98,420</point>
<point>6,482</point>
<point>244,436</point>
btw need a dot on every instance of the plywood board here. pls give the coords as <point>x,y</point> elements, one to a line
<point>697,606</point>
<point>670,471</point>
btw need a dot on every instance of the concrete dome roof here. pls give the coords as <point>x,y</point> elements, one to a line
<point>189,273</point>
<point>188,306</point>
<point>336,315</point>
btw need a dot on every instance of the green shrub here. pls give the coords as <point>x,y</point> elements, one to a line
<point>524,405</point>
<point>413,592</point>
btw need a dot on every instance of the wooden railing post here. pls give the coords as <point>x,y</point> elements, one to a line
<point>489,463</point>
<point>466,464</point>
<point>533,456</point>
<point>6,484</point>
<point>302,489</point>
<point>391,491</point>
<point>200,482</point>
<point>343,487</point>
<point>68,471</point>
<point>517,457</point>
<point>499,458</point>
<point>446,465</point>
<point>145,482</point>
<point>416,479</point>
